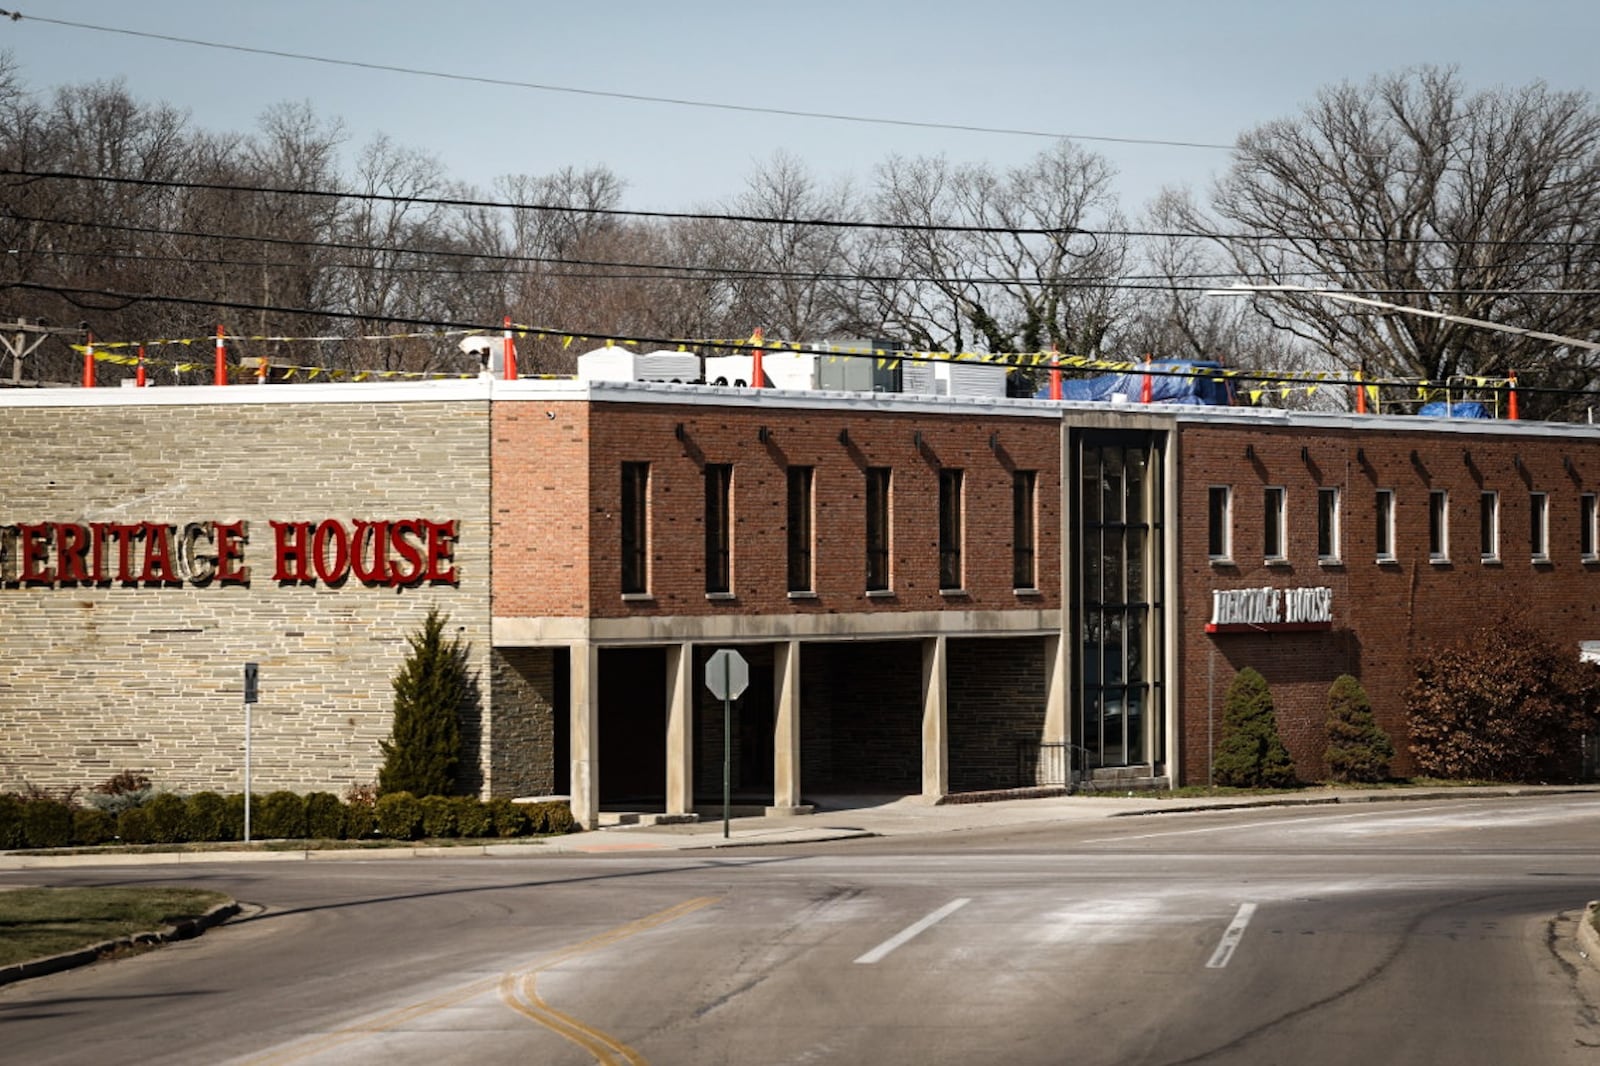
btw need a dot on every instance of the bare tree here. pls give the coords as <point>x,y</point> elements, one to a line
<point>1478,205</point>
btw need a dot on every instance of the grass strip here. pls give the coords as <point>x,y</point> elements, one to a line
<point>36,923</point>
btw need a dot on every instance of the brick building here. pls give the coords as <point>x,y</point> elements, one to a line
<point>934,595</point>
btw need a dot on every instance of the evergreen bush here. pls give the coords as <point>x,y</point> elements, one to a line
<point>507,818</point>
<point>360,821</point>
<point>324,816</point>
<point>399,816</point>
<point>1503,703</point>
<point>121,791</point>
<point>281,815</point>
<point>233,827</point>
<point>549,817</point>
<point>133,826</point>
<point>169,818</point>
<point>473,818</point>
<point>207,817</point>
<point>47,823</point>
<point>91,826</point>
<point>1358,749</point>
<point>438,816</point>
<point>11,832</point>
<point>430,691</point>
<point>1251,754</point>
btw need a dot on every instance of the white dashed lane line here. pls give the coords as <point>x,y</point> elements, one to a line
<point>910,931</point>
<point>1231,937</point>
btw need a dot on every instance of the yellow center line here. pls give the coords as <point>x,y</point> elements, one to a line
<point>524,1000</point>
<point>522,996</point>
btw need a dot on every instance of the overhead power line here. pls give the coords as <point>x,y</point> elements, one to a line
<point>672,101</point>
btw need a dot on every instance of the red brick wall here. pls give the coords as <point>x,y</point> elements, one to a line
<point>541,567</point>
<point>1384,614</point>
<point>540,502</point>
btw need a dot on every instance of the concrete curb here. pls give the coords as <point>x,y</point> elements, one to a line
<point>184,930</point>
<point>1588,936</point>
<point>1375,796</point>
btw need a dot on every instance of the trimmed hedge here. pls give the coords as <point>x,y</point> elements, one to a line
<point>36,821</point>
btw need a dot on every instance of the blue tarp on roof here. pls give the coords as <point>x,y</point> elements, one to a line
<point>1166,387</point>
<point>1461,409</point>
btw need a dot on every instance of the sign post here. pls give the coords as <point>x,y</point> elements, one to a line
<point>727,676</point>
<point>252,694</point>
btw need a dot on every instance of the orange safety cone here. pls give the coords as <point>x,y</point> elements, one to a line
<point>219,375</point>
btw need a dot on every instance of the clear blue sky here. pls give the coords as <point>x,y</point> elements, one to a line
<point>1159,70</point>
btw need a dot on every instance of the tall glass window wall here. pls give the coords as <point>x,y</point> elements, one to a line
<point>1117,598</point>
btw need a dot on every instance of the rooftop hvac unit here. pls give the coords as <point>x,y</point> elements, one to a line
<point>783,370</point>
<point>619,364</point>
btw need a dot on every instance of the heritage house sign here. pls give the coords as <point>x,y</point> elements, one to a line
<point>392,552</point>
<point>1268,608</point>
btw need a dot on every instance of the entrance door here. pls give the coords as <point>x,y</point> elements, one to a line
<point>1117,596</point>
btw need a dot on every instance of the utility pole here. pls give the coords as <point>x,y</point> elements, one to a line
<point>21,338</point>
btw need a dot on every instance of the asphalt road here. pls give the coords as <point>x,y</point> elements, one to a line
<point>1393,933</point>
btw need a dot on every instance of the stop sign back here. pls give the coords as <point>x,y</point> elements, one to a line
<point>727,674</point>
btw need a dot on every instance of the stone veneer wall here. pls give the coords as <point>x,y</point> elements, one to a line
<point>111,677</point>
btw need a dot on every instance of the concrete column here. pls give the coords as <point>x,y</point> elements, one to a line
<point>1056,729</point>
<point>935,725</point>
<point>585,734</point>
<point>786,730</point>
<point>680,729</point>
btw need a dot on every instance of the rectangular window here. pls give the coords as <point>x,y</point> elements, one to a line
<point>1539,526</point>
<point>1023,487</point>
<point>635,527</point>
<point>877,529</point>
<point>1383,533</point>
<point>800,480</point>
<point>1439,526</point>
<point>950,530</point>
<point>1273,533</point>
<point>1489,526</point>
<point>719,527</point>
<point>1588,516</point>
<point>1219,509</point>
<point>1328,525</point>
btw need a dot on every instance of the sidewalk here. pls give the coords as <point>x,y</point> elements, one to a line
<point>840,818</point>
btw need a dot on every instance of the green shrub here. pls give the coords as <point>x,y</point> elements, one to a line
<point>133,826</point>
<point>1504,703</point>
<point>1358,749</point>
<point>281,816</point>
<point>548,817</point>
<point>1251,754</point>
<point>399,816</point>
<point>11,832</point>
<point>91,826</point>
<point>430,692</point>
<point>508,819</point>
<point>207,817</point>
<point>234,809</point>
<point>473,818</point>
<point>360,821</point>
<point>47,823</point>
<point>169,818</point>
<point>438,816</point>
<point>324,816</point>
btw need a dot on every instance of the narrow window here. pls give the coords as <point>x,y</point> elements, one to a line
<point>1219,508</point>
<point>877,529</point>
<point>950,529</point>
<point>635,527</point>
<point>1272,528</point>
<point>1489,526</point>
<point>1539,526</point>
<point>800,478</point>
<point>1588,515</point>
<point>719,530</point>
<point>1023,543</point>
<point>1328,525</point>
<point>1439,526</point>
<point>1383,533</point>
